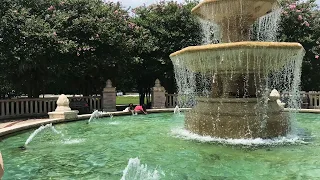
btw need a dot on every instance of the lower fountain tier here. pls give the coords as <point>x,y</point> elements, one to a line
<point>241,57</point>
<point>236,118</point>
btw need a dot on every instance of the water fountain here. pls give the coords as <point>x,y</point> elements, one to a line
<point>176,110</point>
<point>41,128</point>
<point>137,171</point>
<point>95,115</point>
<point>231,81</point>
<point>110,115</point>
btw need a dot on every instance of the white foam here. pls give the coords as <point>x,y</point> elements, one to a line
<point>73,141</point>
<point>137,171</point>
<point>95,115</point>
<point>185,134</point>
<point>41,128</point>
<point>114,123</point>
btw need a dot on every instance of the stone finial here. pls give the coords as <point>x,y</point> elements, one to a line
<point>274,95</point>
<point>109,83</point>
<point>63,100</point>
<point>157,83</point>
<point>62,104</point>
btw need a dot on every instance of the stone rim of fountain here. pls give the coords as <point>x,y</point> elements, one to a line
<point>238,45</point>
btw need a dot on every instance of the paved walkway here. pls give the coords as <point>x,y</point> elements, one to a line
<point>18,123</point>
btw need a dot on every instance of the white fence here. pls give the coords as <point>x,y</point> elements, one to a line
<point>24,107</point>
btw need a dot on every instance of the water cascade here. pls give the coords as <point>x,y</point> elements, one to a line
<point>176,110</point>
<point>95,115</point>
<point>228,84</point>
<point>137,171</point>
<point>41,128</point>
<point>110,115</point>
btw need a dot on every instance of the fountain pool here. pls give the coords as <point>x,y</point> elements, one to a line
<point>102,149</point>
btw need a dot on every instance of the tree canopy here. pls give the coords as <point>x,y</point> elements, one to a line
<point>74,46</point>
<point>300,22</point>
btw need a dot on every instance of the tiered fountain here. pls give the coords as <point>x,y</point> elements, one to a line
<point>231,81</point>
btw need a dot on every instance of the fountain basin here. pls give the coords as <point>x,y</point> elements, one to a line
<point>236,118</point>
<point>238,57</point>
<point>103,148</point>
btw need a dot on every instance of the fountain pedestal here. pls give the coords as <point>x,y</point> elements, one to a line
<point>109,97</point>
<point>237,118</point>
<point>158,95</point>
<point>63,111</point>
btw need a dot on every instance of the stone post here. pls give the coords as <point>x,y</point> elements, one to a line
<point>109,97</point>
<point>63,110</point>
<point>158,95</point>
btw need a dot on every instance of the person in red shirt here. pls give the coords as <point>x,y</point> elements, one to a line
<point>140,109</point>
<point>1,166</point>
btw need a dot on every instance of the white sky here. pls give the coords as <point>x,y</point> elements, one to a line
<point>135,3</point>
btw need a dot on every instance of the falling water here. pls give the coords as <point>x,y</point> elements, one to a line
<point>176,110</point>
<point>41,128</point>
<point>235,25</point>
<point>137,171</point>
<point>110,115</point>
<point>266,27</point>
<point>272,68</point>
<point>194,77</point>
<point>95,115</point>
<point>211,32</point>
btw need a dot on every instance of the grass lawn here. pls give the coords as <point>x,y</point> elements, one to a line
<point>120,100</point>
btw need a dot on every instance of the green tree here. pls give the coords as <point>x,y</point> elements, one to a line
<point>171,27</point>
<point>300,23</point>
<point>57,46</point>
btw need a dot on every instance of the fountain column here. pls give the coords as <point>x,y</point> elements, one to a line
<point>235,29</point>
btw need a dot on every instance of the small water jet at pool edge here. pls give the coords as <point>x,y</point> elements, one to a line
<point>41,128</point>
<point>95,115</point>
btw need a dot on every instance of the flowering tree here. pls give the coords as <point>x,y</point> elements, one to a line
<point>69,46</point>
<point>300,23</point>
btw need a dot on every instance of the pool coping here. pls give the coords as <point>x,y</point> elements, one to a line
<point>303,110</point>
<point>6,131</point>
<point>15,127</point>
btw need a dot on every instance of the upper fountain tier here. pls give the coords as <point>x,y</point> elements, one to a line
<point>234,16</point>
<point>238,57</point>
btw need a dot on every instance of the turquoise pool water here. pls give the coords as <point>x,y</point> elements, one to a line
<point>101,150</point>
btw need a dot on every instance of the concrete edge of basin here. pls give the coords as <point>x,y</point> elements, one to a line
<point>7,131</point>
<point>303,110</point>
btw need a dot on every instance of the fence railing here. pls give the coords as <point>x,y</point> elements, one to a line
<point>314,100</point>
<point>309,100</point>
<point>18,108</point>
<point>171,100</point>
